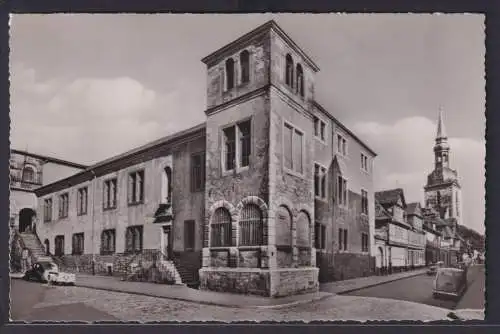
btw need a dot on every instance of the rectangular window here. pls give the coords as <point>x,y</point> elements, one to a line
<point>319,181</point>
<point>342,239</point>
<point>109,194</point>
<point>319,129</point>
<point>82,201</point>
<point>47,210</point>
<point>198,172</point>
<point>237,145</point>
<point>136,187</point>
<point>364,162</point>
<point>341,145</point>
<point>293,149</point>
<point>319,236</point>
<point>108,238</point>
<point>63,205</point>
<point>364,202</point>
<point>189,234</point>
<point>364,242</point>
<point>342,191</point>
<point>77,244</point>
<point>133,239</point>
<point>59,245</point>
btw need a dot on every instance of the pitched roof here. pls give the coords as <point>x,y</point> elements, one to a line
<point>380,212</point>
<point>414,209</point>
<point>390,197</point>
<point>49,159</point>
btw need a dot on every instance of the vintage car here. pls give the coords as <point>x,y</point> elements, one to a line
<point>450,282</point>
<point>433,268</point>
<point>48,272</point>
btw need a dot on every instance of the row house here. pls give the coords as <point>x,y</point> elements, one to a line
<point>399,236</point>
<point>267,195</point>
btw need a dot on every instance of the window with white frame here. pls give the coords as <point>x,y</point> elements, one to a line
<point>319,236</point>
<point>245,66</point>
<point>63,205</point>
<point>82,201</point>
<point>341,191</point>
<point>109,194</point>
<point>198,171</point>
<point>136,187</point>
<point>342,237</point>
<point>300,80</point>
<point>364,162</point>
<point>341,145</point>
<point>319,181</point>
<point>364,202</point>
<point>319,129</point>
<point>108,239</point>
<point>77,244</point>
<point>229,74</point>
<point>293,149</point>
<point>237,143</point>
<point>364,242</point>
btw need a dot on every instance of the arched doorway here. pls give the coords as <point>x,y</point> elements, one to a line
<point>46,243</point>
<point>26,219</point>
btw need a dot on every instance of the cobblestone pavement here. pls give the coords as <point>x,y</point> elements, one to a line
<point>130,307</point>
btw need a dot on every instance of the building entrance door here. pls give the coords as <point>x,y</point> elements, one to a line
<point>167,241</point>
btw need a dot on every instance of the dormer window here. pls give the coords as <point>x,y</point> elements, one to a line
<point>28,174</point>
<point>229,74</point>
<point>245,66</point>
<point>300,80</point>
<point>289,71</point>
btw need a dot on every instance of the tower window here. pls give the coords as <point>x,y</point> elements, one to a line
<point>289,70</point>
<point>237,145</point>
<point>245,66</point>
<point>300,80</point>
<point>229,74</point>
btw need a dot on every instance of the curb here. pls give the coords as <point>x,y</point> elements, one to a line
<point>378,283</point>
<point>204,302</point>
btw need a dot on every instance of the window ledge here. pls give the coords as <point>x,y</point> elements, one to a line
<point>136,203</point>
<point>322,141</point>
<point>293,173</point>
<point>322,199</point>
<point>109,208</point>
<point>238,170</point>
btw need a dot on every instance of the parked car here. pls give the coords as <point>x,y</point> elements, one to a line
<point>450,282</point>
<point>433,268</point>
<point>48,272</point>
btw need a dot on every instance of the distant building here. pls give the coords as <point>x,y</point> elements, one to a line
<point>29,171</point>
<point>254,200</point>
<point>399,241</point>
<point>433,240</point>
<point>443,196</point>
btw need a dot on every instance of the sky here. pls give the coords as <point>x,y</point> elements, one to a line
<point>85,87</point>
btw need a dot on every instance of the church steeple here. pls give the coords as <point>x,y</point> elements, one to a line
<point>441,148</point>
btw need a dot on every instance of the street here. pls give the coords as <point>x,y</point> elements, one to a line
<point>38,302</point>
<point>419,289</point>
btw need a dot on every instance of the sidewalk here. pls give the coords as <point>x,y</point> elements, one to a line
<point>183,293</point>
<point>346,286</point>
<point>474,295</point>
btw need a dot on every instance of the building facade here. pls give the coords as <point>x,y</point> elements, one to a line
<point>400,240</point>
<point>29,171</point>
<point>252,198</point>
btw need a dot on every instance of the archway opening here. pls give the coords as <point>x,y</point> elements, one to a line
<point>26,219</point>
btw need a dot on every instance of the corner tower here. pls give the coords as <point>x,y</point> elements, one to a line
<point>443,191</point>
<point>258,193</point>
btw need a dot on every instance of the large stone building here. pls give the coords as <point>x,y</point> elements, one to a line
<point>267,190</point>
<point>443,196</point>
<point>29,171</point>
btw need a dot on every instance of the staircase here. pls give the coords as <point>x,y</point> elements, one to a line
<point>36,248</point>
<point>187,265</point>
<point>148,267</point>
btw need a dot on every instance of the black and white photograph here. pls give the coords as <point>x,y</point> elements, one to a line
<point>247,167</point>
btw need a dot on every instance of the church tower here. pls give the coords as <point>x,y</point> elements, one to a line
<point>443,191</point>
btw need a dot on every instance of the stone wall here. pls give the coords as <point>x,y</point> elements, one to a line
<point>244,281</point>
<point>350,265</point>
<point>290,281</point>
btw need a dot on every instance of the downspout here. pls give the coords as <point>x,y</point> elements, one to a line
<point>93,220</point>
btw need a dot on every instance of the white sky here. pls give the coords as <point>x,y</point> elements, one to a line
<point>85,87</point>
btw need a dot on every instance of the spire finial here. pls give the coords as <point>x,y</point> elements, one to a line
<point>441,131</point>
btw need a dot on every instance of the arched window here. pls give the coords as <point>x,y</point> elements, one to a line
<point>251,227</point>
<point>289,70</point>
<point>166,185</point>
<point>229,73</point>
<point>300,80</point>
<point>221,228</point>
<point>303,230</point>
<point>245,66</point>
<point>28,174</point>
<point>283,227</point>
